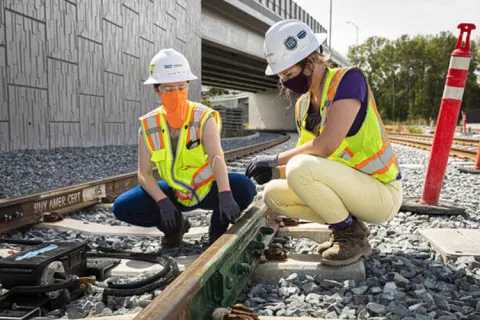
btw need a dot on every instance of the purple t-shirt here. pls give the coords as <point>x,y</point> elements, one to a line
<point>352,86</point>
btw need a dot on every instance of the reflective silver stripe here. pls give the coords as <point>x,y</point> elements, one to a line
<point>195,123</point>
<point>153,130</point>
<point>203,175</point>
<point>382,132</point>
<point>324,118</point>
<point>152,123</point>
<point>378,163</point>
<point>344,155</point>
<point>183,194</point>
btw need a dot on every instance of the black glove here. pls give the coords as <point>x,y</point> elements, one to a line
<point>260,163</point>
<point>169,216</point>
<point>229,209</point>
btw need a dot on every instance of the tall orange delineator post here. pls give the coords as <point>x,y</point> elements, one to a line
<point>445,130</point>
<point>448,116</point>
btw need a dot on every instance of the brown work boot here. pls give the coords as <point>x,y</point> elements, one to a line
<point>349,245</point>
<point>325,245</point>
<point>175,239</point>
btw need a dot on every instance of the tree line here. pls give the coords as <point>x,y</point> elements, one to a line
<point>407,75</point>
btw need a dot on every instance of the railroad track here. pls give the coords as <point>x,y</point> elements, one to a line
<point>461,148</point>
<point>213,279</point>
<point>51,205</point>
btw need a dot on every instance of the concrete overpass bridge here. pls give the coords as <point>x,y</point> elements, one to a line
<point>232,41</point>
<point>71,72</point>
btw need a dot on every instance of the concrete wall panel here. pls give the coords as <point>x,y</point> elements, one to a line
<point>131,31</point>
<point>2,22</point>
<point>114,133</point>
<point>90,19</point>
<point>63,91</point>
<point>147,53</point>
<point>32,8</point>
<point>132,78</point>
<point>91,67</point>
<point>134,5</point>
<point>147,18</point>
<point>4,137</point>
<point>112,48</point>
<point>112,11</point>
<point>61,30</point>
<point>65,134</point>
<point>72,71</point>
<point>114,98</point>
<point>91,121</point>
<point>268,111</point>
<point>28,118</point>
<point>26,54</point>
<point>3,86</point>
<point>133,111</point>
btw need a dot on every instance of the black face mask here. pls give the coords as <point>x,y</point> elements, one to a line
<point>299,84</point>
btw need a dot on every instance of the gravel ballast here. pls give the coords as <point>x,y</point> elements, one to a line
<point>30,171</point>
<point>405,278</point>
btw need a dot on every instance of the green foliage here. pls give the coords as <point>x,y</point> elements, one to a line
<point>415,130</point>
<point>407,75</point>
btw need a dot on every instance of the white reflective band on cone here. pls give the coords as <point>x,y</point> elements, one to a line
<point>460,63</point>
<point>453,93</point>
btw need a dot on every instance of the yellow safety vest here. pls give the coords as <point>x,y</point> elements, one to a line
<point>188,172</point>
<point>369,150</point>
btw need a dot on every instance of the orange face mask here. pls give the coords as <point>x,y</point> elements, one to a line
<point>175,107</point>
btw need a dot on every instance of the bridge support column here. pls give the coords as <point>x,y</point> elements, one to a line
<point>267,110</point>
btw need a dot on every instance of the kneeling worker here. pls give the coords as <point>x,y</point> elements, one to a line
<point>182,139</point>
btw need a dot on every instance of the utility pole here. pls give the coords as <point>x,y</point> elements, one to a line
<point>330,28</point>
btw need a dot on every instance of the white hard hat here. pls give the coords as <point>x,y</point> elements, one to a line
<point>169,66</point>
<point>288,42</point>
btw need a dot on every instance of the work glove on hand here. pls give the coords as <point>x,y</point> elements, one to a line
<point>266,174</point>
<point>261,164</point>
<point>229,209</point>
<point>169,216</point>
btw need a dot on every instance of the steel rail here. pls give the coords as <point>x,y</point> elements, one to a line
<point>454,151</point>
<point>217,277</point>
<point>47,205</point>
<point>462,141</point>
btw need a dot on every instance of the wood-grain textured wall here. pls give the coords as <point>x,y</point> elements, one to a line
<point>71,71</point>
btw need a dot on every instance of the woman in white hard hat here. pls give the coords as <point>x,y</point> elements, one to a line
<point>343,171</point>
<point>182,139</point>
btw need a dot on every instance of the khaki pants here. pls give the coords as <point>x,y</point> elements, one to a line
<point>326,191</point>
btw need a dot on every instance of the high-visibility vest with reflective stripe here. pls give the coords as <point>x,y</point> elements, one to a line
<point>369,150</point>
<point>188,172</point>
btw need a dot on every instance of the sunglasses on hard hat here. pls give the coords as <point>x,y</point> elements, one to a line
<point>167,89</point>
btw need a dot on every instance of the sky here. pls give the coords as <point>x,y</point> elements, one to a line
<point>391,18</point>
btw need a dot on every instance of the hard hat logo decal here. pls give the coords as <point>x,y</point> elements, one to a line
<point>301,34</point>
<point>152,68</point>
<point>167,66</point>
<point>290,43</point>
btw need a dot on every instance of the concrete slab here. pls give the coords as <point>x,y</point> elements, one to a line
<point>313,231</point>
<point>135,268</point>
<point>307,264</point>
<point>454,243</point>
<point>96,228</point>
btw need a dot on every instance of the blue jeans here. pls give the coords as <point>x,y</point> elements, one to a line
<point>136,207</point>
